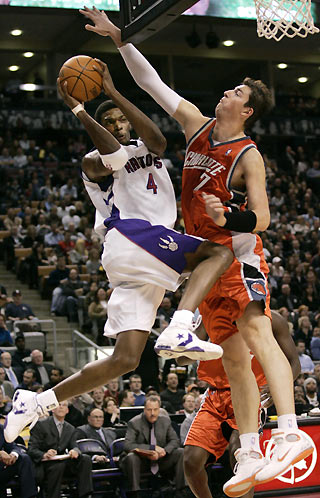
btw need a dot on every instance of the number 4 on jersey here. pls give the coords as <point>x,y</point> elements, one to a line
<point>151,185</point>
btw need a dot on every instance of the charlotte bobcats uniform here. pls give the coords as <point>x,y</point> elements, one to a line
<point>208,168</point>
<point>143,255</point>
<point>210,428</point>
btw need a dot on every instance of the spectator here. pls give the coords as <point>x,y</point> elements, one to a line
<point>98,396</point>
<point>316,374</point>
<point>37,258</point>
<point>69,189</point>
<point>149,431</point>
<point>5,405</point>
<point>66,245</point>
<point>299,395</point>
<point>20,159</point>
<point>310,387</point>
<point>98,311</point>
<point>126,398</point>
<point>113,390</point>
<point>56,376</point>
<point>304,331</point>
<point>286,298</point>
<point>9,245</point>
<point>15,462</point>
<point>53,237</point>
<point>135,384</point>
<point>67,302</point>
<point>12,220</point>
<point>42,370</point>
<point>189,404</point>
<point>28,379</point>
<point>94,430</point>
<point>78,255</point>
<point>5,337</point>
<point>74,416</point>
<point>56,278</point>
<point>166,407</point>
<point>111,412</point>
<point>315,344</point>
<point>54,436</point>
<point>93,264</point>
<point>18,310</point>
<point>14,375</point>
<point>307,365</point>
<point>3,303</point>
<point>22,353</point>
<point>172,394</point>
<point>6,386</point>
<point>71,217</point>
<point>165,311</point>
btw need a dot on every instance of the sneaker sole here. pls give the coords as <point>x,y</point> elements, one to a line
<point>302,455</point>
<point>241,488</point>
<point>164,352</point>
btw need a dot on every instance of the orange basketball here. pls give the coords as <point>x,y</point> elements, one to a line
<point>84,82</point>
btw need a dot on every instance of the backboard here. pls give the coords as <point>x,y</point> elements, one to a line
<point>142,18</point>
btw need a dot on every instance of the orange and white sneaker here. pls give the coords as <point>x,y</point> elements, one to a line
<point>290,446</point>
<point>249,462</point>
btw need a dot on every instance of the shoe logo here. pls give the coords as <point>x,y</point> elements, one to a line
<point>299,471</point>
<point>283,457</point>
<point>185,343</point>
<point>169,244</point>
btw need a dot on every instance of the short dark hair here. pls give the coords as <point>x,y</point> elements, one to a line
<point>104,107</point>
<point>260,100</point>
<point>57,369</point>
<point>134,377</point>
<point>89,410</point>
<point>152,399</point>
<point>122,395</point>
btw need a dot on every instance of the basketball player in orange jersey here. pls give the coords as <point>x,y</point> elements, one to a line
<point>215,421</point>
<point>224,199</point>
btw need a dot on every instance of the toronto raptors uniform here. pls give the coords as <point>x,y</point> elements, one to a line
<point>143,255</point>
<point>208,168</point>
<point>210,428</point>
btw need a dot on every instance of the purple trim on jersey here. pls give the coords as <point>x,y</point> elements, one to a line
<point>163,243</point>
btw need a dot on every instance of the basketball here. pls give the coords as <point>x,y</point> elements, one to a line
<point>83,81</point>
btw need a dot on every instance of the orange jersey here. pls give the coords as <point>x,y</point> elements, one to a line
<point>212,371</point>
<point>209,168</point>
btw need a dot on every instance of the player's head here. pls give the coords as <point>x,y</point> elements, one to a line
<point>246,103</point>
<point>113,120</point>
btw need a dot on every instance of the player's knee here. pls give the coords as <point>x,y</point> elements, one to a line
<point>128,362</point>
<point>191,463</point>
<point>224,253</point>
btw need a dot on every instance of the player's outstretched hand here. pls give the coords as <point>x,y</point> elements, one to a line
<point>63,91</point>
<point>102,68</point>
<point>215,209</point>
<point>102,24</point>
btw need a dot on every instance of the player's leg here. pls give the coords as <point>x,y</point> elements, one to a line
<point>207,264</point>
<point>234,445</point>
<point>132,310</point>
<point>194,461</point>
<point>291,443</point>
<point>245,400</point>
<point>207,261</point>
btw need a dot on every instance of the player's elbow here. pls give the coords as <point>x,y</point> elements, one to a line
<point>263,221</point>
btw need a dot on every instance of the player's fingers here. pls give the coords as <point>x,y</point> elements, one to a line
<point>89,27</point>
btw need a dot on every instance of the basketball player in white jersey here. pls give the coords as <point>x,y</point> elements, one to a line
<point>206,139</point>
<point>143,256</point>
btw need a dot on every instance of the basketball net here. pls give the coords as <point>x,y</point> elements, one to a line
<point>279,18</point>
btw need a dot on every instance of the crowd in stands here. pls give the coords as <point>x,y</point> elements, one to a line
<point>44,209</point>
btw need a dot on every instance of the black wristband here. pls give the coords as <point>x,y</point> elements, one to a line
<point>241,221</point>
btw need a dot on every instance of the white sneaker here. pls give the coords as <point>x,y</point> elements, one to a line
<point>290,446</point>
<point>178,339</point>
<point>25,410</point>
<point>249,462</point>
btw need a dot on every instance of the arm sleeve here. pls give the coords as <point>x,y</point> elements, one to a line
<point>148,79</point>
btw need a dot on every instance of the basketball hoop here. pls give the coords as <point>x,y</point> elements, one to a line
<point>279,18</point>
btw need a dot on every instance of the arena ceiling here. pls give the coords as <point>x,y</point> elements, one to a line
<point>56,34</point>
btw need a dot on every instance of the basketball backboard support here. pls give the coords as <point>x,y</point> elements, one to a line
<point>142,18</point>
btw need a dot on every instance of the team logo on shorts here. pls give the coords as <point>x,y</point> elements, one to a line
<point>228,152</point>
<point>168,244</point>
<point>258,288</point>
<point>299,471</point>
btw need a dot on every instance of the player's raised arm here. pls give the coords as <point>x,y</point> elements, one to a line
<point>187,114</point>
<point>111,155</point>
<point>146,129</point>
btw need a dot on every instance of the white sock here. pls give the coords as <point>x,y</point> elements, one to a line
<point>287,422</point>
<point>48,400</point>
<point>183,316</point>
<point>250,441</point>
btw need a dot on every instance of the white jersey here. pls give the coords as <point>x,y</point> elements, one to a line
<point>142,189</point>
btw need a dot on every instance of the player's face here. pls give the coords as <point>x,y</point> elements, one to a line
<point>234,101</point>
<point>117,124</point>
